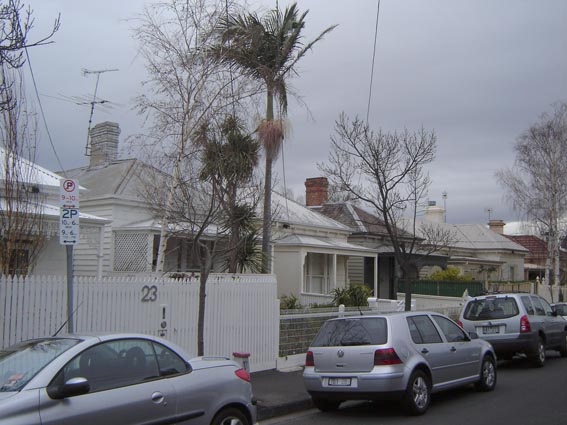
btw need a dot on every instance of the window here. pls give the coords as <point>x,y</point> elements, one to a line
<point>345,332</point>
<point>528,305</point>
<point>317,273</point>
<point>491,308</point>
<point>422,330</point>
<point>546,307</point>
<point>169,363</point>
<point>539,309</point>
<point>452,332</point>
<point>15,259</point>
<point>113,364</point>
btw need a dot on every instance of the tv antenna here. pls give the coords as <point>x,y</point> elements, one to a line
<point>93,102</point>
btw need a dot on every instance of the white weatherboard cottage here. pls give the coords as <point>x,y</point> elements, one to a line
<point>311,252</point>
<point>46,184</point>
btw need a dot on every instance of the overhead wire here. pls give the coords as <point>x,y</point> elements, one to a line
<point>42,112</point>
<point>373,61</point>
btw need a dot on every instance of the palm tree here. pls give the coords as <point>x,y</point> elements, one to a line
<point>230,156</point>
<point>266,49</point>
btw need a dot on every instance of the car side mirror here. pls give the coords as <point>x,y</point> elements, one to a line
<point>71,388</point>
<point>473,335</point>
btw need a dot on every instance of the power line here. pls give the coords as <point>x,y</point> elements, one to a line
<point>37,92</point>
<point>373,59</point>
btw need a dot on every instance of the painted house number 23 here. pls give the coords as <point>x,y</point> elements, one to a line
<point>149,293</point>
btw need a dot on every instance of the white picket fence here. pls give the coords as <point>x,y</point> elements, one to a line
<point>242,311</point>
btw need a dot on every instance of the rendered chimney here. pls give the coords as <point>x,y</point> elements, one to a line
<point>496,226</point>
<point>104,143</point>
<point>316,191</point>
<point>434,213</point>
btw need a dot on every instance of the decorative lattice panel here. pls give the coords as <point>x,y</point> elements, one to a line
<point>130,252</point>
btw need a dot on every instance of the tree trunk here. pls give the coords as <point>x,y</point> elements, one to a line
<point>205,270</point>
<point>267,216</point>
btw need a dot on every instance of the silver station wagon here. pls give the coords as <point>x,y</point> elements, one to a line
<point>405,356</point>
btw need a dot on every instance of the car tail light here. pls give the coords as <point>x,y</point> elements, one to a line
<point>309,359</point>
<point>460,324</point>
<point>243,374</point>
<point>386,356</point>
<point>525,324</point>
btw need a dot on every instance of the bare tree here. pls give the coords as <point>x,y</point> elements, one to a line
<point>21,202</point>
<point>385,171</point>
<point>185,87</point>
<point>16,22</point>
<point>21,209</point>
<point>186,91</point>
<point>537,184</point>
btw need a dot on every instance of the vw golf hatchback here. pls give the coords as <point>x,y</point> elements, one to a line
<point>405,356</point>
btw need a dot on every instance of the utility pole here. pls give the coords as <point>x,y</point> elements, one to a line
<point>93,103</point>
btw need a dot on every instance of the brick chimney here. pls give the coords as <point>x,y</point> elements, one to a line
<point>496,226</point>
<point>104,143</point>
<point>316,191</point>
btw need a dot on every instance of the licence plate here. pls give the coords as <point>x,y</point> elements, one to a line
<point>339,382</point>
<point>489,330</point>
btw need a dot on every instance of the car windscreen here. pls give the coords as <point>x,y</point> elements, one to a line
<point>491,308</point>
<point>352,331</point>
<point>21,362</point>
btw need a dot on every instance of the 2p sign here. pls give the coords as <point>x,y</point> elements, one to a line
<point>69,212</point>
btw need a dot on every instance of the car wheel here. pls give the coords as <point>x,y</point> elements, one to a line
<point>230,416</point>
<point>538,359</point>
<point>326,405</point>
<point>487,380</point>
<point>418,393</point>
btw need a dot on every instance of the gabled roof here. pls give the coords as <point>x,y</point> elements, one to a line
<point>321,242</point>
<point>356,218</point>
<point>31,173</point>
<point>118,178</point>
<point>536,246</point>
<point>291,212</point>
<point>480,237</point>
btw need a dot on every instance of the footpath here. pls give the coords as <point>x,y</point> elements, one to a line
<point>279,392</point>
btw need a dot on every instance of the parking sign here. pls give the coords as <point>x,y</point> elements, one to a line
<point>69,212</point>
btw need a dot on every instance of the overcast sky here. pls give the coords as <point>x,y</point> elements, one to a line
<point>477,72</point>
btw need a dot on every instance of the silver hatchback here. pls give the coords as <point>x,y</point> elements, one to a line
<point>405,356</point>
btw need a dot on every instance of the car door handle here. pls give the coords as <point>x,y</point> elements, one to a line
<point>157,397</point>
<point>452,349</point>
<point>425,351</point>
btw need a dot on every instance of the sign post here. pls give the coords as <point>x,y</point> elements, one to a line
<point>69,234</point>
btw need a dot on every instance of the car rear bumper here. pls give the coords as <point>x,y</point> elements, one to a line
<point>521,343</point>
<point>363,386</point>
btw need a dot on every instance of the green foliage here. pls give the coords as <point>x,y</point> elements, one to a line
<point>451,273</point>
<point>355,295</point>
<point>289,302</point>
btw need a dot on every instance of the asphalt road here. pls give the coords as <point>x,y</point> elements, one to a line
<point>523,396</point>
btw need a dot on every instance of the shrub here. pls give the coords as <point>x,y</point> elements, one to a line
<point>289,302</point>
<point>355,295</point>
<point>451,273</point>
